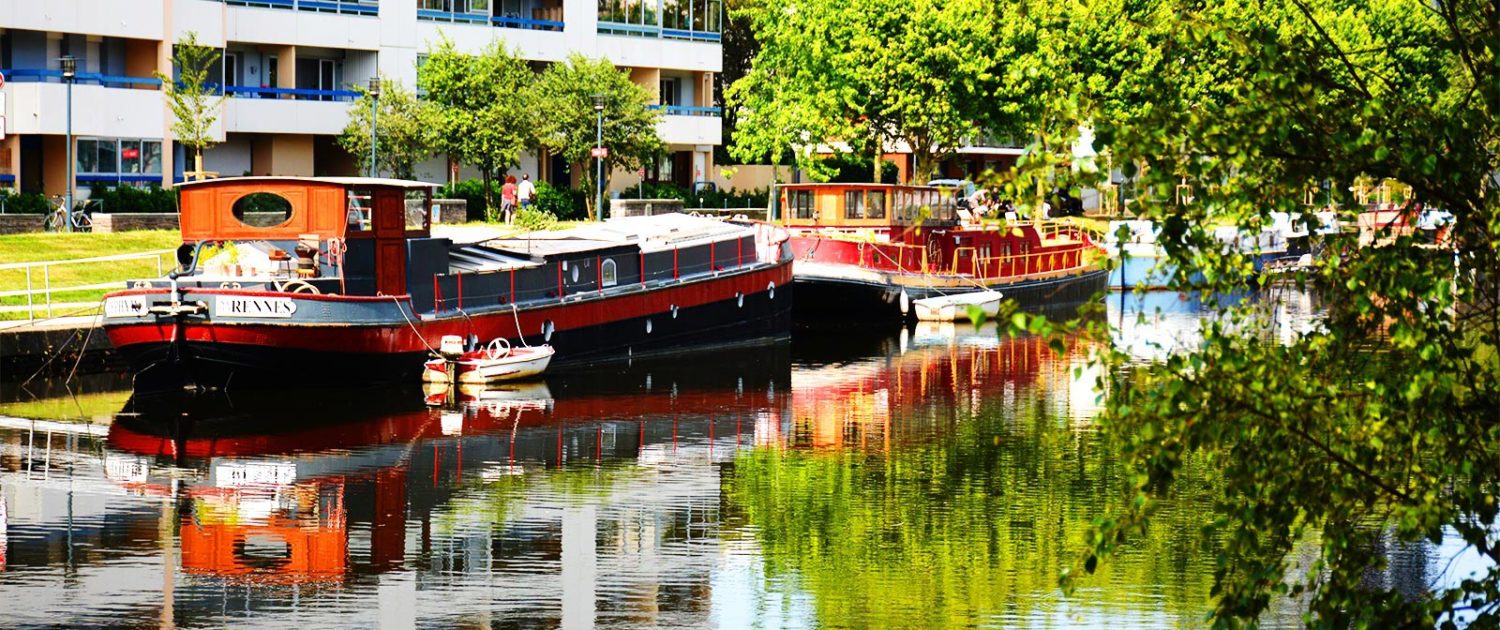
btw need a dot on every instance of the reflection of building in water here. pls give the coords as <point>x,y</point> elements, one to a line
<point>926,382</point>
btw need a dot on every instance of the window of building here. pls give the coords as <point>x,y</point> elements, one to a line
<point>875,205</point>
<point>607,274</point>
<point>801,202</point>
<point>670,92</point>
<point>232,69</point>
<point>105,158</point>
<point>854,204</point>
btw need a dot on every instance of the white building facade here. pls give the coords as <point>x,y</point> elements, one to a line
<point>289,71</point>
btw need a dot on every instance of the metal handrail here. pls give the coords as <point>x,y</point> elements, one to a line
<point>48,290</point>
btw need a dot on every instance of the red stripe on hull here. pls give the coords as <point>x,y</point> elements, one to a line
<point>398,337</point>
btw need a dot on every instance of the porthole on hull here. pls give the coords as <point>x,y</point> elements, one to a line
<point>771,289</point>
<point>648,326</point>
<point>739,300</point>
<point>674,311</point>
<point>547,328</point>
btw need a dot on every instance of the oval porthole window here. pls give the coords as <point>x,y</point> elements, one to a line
<point>547,330</point>
<point>648,331</point>
<point>674,311</point>
<point>771,289</point>
<point>739,299</point>
<point>262,210</point>
<point>575,273</point>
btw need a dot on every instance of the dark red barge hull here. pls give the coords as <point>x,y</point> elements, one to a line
<point>733,309</point>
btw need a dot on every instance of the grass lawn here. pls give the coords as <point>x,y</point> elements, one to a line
<point>36,247</point>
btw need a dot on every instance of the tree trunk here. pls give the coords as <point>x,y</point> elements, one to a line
<point>485,174</point>
<point>585,172</point>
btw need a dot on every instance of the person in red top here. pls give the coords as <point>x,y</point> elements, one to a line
<point>508,198</point>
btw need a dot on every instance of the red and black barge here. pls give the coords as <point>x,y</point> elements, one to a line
<point>290,281</point>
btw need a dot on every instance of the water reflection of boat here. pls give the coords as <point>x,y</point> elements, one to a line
<point>271,491</point>
<point>924,380</point>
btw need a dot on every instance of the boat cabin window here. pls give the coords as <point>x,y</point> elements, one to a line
<point>801,203</point>
<point>417,204</point>
<point>361,202</point>
<point>875,204</point>
<point>607,274</point>
<point>262,210</point>
<point>854,204</point>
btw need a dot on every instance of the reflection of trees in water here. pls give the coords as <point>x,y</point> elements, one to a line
<point>971,521</point>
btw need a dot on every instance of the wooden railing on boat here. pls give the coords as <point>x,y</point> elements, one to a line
<point>965,261</point>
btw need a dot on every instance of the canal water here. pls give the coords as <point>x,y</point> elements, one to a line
<point>941,475</point>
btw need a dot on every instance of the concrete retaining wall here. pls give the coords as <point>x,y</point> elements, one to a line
<point>130,221</point>
<point>450,211</point>
<point>643,207</point>
<point>21,223</point>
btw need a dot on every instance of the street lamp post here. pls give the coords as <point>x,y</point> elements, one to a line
<point>374,120</point>
<point>599,157</point>
<point>69,71</point>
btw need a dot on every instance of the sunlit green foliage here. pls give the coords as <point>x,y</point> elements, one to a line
<point>567,124</point>
<point>1382,418</point>
<point>868,74</point>
<point>404,136</point>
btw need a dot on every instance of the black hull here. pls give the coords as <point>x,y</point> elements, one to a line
<point>759,320</point>
<point>825,301</point>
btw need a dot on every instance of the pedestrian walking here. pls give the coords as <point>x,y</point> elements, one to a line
<point>526,191</point>
<point>508,199</point>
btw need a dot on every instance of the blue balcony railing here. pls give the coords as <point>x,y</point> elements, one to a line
<point>301,94</point>
<point>503,21</point>
<point>643,30</point>
<point>31,75</point>
<point>688,110</point>
<point>319,6</point>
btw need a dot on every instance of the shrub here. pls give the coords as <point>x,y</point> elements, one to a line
<point>564,203</point>
<point>131,199</point>
<point>24,203</point>
<point>534,219</point>
<point>752,199</point>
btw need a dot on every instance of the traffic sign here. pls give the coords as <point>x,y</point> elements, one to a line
<point>599,152</point>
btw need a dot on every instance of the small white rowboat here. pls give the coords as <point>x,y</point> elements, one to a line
<point>950,308</point>
<point>497,362</point>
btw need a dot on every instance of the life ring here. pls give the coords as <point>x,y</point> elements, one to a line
<point>298,286</point>
<point>499,348</point>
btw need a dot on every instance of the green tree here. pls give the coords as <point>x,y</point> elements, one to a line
<point>405,137</point>
<point>567,128</point>
<point>868,74</point>
<point>194,105</point>
<point>483,108</point>
<point>1381,420</point>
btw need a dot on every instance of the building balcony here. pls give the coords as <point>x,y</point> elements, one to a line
<point>690,125</point>
<point>103,105</point>
<point>140,19</point>
<point>286,110</point>
<point>345,7</point>
<point>517,14</point>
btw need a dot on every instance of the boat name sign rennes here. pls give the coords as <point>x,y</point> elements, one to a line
<point>235,306</point>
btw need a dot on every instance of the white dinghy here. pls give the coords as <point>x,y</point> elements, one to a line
<point>951,308</point>
<point>496,362</point>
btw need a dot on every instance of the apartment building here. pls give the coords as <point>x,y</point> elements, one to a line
<point>288,71</point>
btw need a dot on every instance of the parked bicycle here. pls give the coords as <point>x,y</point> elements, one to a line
<point>60,217</point>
